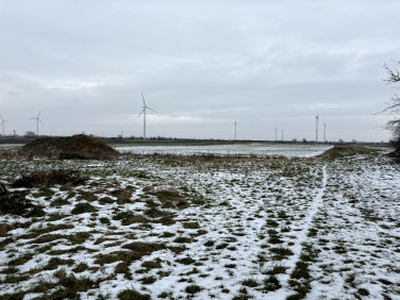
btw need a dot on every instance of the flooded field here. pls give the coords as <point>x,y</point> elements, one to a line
<point>254,149</point>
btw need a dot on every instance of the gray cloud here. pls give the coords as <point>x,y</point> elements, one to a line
<point>201,64</point>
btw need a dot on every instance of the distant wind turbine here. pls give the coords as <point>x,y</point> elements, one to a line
<point>316,127</point>
<point>235,128</point>
<point>145,107</point>
<point>37,122</point>
<point>3,123</point>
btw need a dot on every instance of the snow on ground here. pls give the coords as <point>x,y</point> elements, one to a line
<point>208,228</point>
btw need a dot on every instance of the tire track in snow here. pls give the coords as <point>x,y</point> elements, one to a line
<point>302,235</point>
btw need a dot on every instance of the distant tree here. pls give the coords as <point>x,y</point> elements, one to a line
<point>30,134</point>
<point>394,105</point>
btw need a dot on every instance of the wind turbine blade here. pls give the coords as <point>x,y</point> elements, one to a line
<point>40,121</point>
<point>144,102</point>
<point>141,113</point>
<point>39,114</point>
<point>150,109</point>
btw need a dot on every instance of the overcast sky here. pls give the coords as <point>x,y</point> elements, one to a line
<point>201,65</point>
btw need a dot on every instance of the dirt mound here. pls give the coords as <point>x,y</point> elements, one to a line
<point>74,147</point>
<point>339,151</point>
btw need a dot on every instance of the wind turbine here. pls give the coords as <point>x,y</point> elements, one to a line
<point>3,122</point>
<point>235,128</point>
<point>37,122</point>
<point>316,127</point>
<point>145,107</point>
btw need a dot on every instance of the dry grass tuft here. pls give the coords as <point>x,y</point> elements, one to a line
<point>4,228</point>
<point>49,178</point>
<point>170,198</point>
<point>123,195</point>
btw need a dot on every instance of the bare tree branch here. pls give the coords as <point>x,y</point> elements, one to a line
<point>393,75</point>
<point>393,106</point>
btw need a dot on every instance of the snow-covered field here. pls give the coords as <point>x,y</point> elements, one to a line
<point>254,149</point>
<point>208,228</point>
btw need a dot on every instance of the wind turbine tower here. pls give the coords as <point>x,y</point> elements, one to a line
<point>145,107</point>
<point>316,127</point>
<point>3,123</point>
<point>276,134</point>
<point>37,122</point>
<point>324,131</point>
<point>235,128</point>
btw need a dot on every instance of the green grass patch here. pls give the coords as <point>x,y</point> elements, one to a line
<point>133,295</point>
<point>55,262</point>
<point>271,284</point>
<point>193,289</point>
<point>148,279</point>
<point>280,252</point>
<point>250,282</point>
<point>82,208</point>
